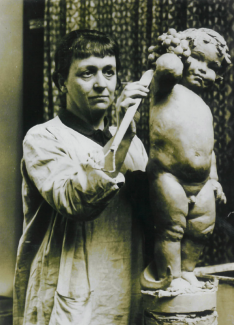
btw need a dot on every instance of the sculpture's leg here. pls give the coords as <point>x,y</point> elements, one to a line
<point>167,253</point>
<point>200,224</point>
<point>169,210</point>
<point>184,226</point>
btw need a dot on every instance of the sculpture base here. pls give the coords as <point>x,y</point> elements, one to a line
<point>151,318</point>
<point>192,308</point>
<point>183,303</point>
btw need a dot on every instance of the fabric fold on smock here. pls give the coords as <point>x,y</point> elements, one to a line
<point>60,186</point>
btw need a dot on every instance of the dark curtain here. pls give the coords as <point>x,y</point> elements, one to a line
<point>136,24</point>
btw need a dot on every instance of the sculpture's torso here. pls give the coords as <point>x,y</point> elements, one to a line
<point>181,135</point>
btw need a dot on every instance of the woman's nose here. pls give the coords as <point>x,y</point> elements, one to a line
<point>100,81</point>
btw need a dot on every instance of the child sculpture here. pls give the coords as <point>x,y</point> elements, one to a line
<point>182,171</point>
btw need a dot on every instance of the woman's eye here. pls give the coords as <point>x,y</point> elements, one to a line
<point>87,74</point>
<point>109,73</point>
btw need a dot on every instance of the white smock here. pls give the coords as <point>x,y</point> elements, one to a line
<point>63,185</point>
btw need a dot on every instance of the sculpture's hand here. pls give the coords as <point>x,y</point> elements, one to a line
<point>170,42</point>
<point>128,97</point>
<point>169,65</point>
<point>168,72</point>
<point>218,190</point>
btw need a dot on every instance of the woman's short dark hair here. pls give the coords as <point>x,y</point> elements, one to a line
<point>81,44</point>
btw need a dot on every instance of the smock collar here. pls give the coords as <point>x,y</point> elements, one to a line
<point>74,122</point>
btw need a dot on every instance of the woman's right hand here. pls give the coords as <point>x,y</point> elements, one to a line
<point>128,98</point>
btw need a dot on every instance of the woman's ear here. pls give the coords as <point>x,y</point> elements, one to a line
<point>61,83</point>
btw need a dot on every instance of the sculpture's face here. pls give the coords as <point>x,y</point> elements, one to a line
<point>204,64</point>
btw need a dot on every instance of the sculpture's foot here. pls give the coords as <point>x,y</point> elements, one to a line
<point>192,279</point>
<point>178,284</point>
<point>148,277</point>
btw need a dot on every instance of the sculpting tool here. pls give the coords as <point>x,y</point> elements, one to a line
<point>145,80</point>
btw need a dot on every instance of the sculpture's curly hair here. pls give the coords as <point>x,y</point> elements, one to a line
<point>209,36</point>
<point>181,44</point>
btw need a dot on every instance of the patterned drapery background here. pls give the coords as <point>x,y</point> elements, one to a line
<point>136,24</point>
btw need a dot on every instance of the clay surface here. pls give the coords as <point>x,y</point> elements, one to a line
<point>181,170</point>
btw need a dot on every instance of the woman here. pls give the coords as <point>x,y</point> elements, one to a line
<point>81,245</point>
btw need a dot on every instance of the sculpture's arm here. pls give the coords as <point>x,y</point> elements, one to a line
<point>168,72</point>
<point>219,194</point>
<point>213,169</point>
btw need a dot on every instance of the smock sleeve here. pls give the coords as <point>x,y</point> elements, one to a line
<point>77,188</point>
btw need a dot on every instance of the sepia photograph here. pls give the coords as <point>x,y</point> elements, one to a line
<point>117,162</point>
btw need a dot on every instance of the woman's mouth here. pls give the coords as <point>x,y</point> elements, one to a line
<point>99,98</point>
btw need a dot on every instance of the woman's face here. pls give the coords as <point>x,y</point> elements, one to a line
<point>90,86</point>
<point>204,63</point>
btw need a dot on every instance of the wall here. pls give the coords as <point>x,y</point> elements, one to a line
<point>11,58</point>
